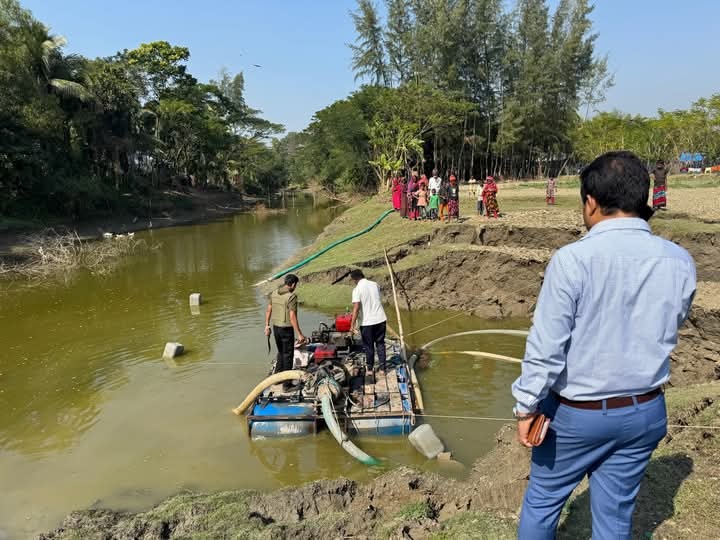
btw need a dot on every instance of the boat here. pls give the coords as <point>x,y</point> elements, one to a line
<point>333,388</point>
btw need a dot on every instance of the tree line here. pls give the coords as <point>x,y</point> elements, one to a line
<point>80,136</point>
<point>472,88</point>
<point>463,86</point>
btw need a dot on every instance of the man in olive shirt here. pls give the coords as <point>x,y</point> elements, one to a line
<point>282,311</point>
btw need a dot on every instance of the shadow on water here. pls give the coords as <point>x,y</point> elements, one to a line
<point>655,504</point>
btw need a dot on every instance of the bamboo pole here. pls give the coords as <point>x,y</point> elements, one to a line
<point>397,307</point>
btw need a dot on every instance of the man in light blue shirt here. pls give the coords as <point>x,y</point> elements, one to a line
<point>598,354</point>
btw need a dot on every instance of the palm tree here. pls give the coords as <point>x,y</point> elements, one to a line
<point>51,70</point>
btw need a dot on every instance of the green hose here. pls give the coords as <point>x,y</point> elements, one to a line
<point>326,249</point>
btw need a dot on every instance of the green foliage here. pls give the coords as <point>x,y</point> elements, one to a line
<point>75,133</point>
<point>696,129</point>
<point>477,91</point>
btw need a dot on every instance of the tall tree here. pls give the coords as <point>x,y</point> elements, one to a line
<point>369,59</point>
<point>398,40</point>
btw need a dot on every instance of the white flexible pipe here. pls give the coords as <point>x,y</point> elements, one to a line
<point>521,333</point>
<point>483,354</point>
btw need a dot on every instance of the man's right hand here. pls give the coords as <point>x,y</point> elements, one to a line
<point>267,331</point>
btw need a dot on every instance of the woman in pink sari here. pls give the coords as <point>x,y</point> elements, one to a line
<point>396,193</point>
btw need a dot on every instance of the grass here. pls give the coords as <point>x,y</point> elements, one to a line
<point>477,525</point>
<point>415,511</point>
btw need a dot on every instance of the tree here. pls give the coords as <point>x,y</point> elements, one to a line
<point>398,40</point>
<point>368,51</point>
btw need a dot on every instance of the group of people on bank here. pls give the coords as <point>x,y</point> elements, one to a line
<point>423,198</point>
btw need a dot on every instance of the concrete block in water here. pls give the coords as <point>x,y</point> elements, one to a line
<point>425,441</point>
<point>195,299</point>
<point>444,456</point>
<point>173,349</point>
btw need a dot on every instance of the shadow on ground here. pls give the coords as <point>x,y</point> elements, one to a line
<point>655,504</point>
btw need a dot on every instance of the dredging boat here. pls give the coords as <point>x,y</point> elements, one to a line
<point>332,387</point>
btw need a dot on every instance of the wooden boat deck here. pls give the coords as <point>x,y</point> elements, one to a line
<point>380,394</point>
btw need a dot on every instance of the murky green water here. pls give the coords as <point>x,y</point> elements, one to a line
<point>91,415</point>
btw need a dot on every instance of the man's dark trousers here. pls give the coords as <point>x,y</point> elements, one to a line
<point>285,342</point>
<point>373,337</point>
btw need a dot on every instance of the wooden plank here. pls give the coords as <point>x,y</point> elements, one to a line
<point>381,385</point>
<point>369,389</point>
<point>383,408</point>
<point>392,381</point>
<point>396,402</point>
<point>368,402</point>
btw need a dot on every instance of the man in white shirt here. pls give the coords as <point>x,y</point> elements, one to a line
<point>366,295</point>
<point>435,182</point>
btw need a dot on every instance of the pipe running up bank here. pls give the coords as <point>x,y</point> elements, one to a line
<point>326,249</point>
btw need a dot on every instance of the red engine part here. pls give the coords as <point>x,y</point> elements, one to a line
<point>342,322</point>
<point>325,352</point>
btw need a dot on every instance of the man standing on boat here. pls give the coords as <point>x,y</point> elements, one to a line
<point>366,296</point>
<point>282,312</point>
<point>598,354</point>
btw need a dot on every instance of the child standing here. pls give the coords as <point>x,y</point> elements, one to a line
<point>434,204</point>
<point>480,202</point>
<point>422,201</point>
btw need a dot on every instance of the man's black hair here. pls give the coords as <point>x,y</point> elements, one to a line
<point>618,181</point>
<point>291,279</point>
<point>357,275</point>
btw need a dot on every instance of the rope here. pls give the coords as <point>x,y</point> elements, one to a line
<point>497,419</point>
<point>435,324</point>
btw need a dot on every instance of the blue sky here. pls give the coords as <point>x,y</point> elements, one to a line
<point>662,51</point>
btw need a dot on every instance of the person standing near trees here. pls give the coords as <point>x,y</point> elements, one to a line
<point>598,354</point>
<point>435,181</point>
<point>443,196</point>
<point>550,190</point>
<point>489,194</point>
<point>282,313</point>
<point>659,196</point>
<point>453,199</point>
<point>403,198</point>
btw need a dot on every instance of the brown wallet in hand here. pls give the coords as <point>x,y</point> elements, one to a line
<point>538,429</point>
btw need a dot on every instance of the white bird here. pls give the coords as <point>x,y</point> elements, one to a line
<point>107,235</point>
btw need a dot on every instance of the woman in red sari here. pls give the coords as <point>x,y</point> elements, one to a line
<point>396,193</point>
<point>489,194</point>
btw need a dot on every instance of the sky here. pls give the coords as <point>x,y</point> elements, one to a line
<point>662,52</point>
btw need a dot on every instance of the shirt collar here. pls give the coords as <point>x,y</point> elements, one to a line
<point>617,224</point>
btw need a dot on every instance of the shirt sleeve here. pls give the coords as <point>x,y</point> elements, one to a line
<point>553,323</point>
<point>688,293</point>
<point>292,303</point>
<point>355,295</point>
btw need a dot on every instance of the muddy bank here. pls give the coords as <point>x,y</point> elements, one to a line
<point>405,503</point>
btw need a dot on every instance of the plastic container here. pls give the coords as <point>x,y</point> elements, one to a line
<point>342,322</point>
<point>425,441</point>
